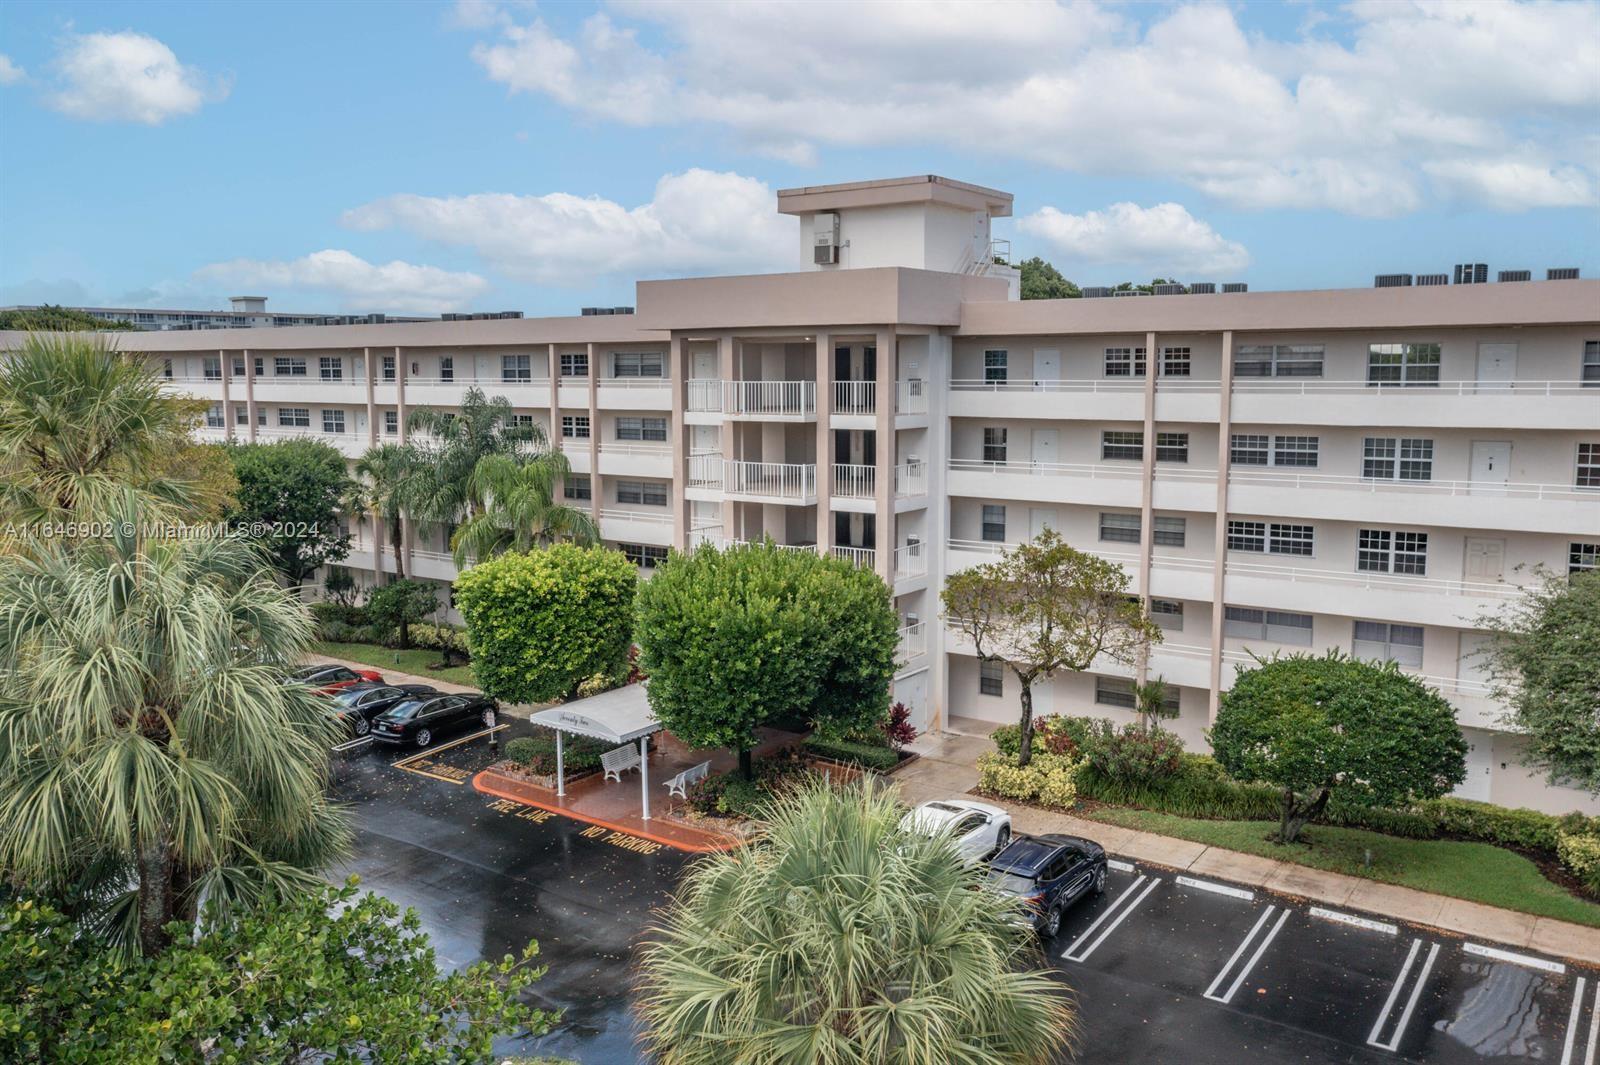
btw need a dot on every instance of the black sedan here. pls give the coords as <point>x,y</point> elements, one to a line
<point>358,705</point>
<point>421,720</point>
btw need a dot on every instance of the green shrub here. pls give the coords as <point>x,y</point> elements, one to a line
<point>440,638</point>
<point>1416,822</point>
<point>731,795</point>
<point>866,755</point>
<point>341,622</point>
<point>1526,829</point>
<point>1581,856</point>
<point>1049,779</point>
<point>1133,754</point>
<point>537,753</point>
<point>1199,788</point>
<point>339,632</point>
<point>1053,733</point>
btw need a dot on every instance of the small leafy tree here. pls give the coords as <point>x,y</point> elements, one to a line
<point>1042,281</point>
<point>539,624</point>
<point>1043,608</point>
<point>315,976</point>
<point>296,489</point>
<point>737,639</point>
<point>1312,726</point>
<point>397,606</point>
<point>1151,702</point>
<point>1544,659</point>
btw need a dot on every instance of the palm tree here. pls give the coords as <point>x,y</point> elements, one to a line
<point>80,422</point>
<point>149,754</point>
<point>843,939</point>
<point>454,442</point>
<point>382,487</point>
<point>519,510</point>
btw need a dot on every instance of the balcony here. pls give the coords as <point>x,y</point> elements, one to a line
<point>913,644</point>
<point>634,393</point>
<point>1444,405</point>
<point>1119,399</point>
<point>1110,484</point>
<point>638,527</point>
<point>437,565</point>
<point>705,471</point>
<point>755,400</point>
<point>910,479</point>
<point>770,482</point>
<point>636,459</point>
<point>854,481</point>
<point>911,397</point>
<point>855,397</point>
<point>910,561</point>
<point>1417,600</point>
<point>859,557</point>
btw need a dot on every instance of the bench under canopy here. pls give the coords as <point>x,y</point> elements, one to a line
<point>621,715</point>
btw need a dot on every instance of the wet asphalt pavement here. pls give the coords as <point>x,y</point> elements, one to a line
<point>1165,968</point>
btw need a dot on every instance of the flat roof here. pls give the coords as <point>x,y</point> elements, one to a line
<point>919,188</point>
<point>620,715</point>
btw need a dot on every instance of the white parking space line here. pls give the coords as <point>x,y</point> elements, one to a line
<point>1572,1023</point>
<point>1594,1027</point>
<point>1394,993</point>
<point>1266,941</point>
<point>1266,915</point>
<point>1355,922</point>
<point>1515,959</point>
<point>350,745</point>
<point>1416,994</point>
<point>1219,889</point>
<point>1121,867</point>
<point>1125,904</point>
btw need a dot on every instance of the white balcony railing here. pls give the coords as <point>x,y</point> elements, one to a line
<point>1504,489</point>
<point>911,396</point>
<point>1379,581</point>
<point>776,399</point>
<point>1321,386</point>
<point>705,471</point>
<point>704,396</point>
<point>655,450</point>
<point>911,479</point>
<point>1121,385</point>
<point>705,534</point>
<point>612,514</point>
<point>860,557</point>
<point>910,560</point>
<point>913,643</point>
<point>787,481</point>
<point>854,482</point>
<point>855,397</point>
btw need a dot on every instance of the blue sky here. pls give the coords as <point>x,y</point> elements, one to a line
<point>419,157</point>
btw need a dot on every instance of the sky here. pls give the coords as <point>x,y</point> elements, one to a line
<point>481,155</point>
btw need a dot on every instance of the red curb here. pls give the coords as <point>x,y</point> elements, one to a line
<point>522,800</point>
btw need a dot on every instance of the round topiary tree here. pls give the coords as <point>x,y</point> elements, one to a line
<point>1315,725</point>
<point>539,624</point>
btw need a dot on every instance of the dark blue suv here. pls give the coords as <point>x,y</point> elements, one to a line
<point>1049,873</point>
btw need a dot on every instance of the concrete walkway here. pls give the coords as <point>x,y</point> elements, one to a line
<point>948,767</point>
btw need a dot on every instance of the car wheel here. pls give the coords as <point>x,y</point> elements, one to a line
<point>424,737</point>
<point>1052,923</point>
<point>1002,839</point>
<point>1100,881</point>
<point>362,726</point>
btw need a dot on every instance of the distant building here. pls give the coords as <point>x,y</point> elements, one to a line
<point>249,312</point>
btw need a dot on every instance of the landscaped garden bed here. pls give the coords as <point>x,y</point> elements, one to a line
<point>532,759</point>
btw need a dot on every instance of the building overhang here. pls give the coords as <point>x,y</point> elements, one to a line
<point>919,188</point>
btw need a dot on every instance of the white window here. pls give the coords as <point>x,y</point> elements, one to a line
<point>1389,458</point>
<point>261,414</point>
<point>1589,375</point>
<point>1176,362</point>
<point>1381,641</point>
<point>1272,538</point>
<point>331,368</point>
<point>391,422</point>
<point>1386,551</point>
<point>1258,449</point>
<point>574,364</point>
<point>1168,532</point>
<point>642,493</point>
<point>215,418</point>
<point>1299,451</point>
<point>575,426</point>
<point>995,363</point>
<point>1403,364</point>
<point>1250,449</point>
<point>238,366</point>
<point>287,366</point>
<point>516,368</point>
<point>641,428</point>
<point>1167,613</point>
<point>241,414</point>
<point>994,523</point>
<point>333,421</point>
<point>388,368</point>
<point>521,421</point>
<point>577,486</point>
<point>1588,465</point>
<point>447,368</point>
<point>994,444</point>
<point>211,367</point>
<point>166,369</point>
<point>1278,360</point>
<point>1115,691</point>
<point>1278,626</point>
<point>991,678</point>
<point>294,417</point>
<point>646,556</point>
<point>1120,444</point>
<point>638,364</point>
<point>1172,447</point>
<point>1124,362</point>
<point>1247,536</point>
<point>1581,557</point>
<point>1119,528</point>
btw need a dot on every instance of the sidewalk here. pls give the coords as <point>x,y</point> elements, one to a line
<point>948,768</point>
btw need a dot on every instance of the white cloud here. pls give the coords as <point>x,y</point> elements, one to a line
<point>397,287</point>
<point>10,73</point>
<point>128,77</point>
<point>1511,184</point>
<point>1164,238</point>
<point>698,221</point>
<point>1365,112</point>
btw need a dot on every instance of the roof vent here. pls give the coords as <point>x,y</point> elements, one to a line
<point>1472,273</point>
<point>622,310</point>
<point>1235,286</point>
<point>1392,281</point>
<point>1170,290</point>
<point>1130,292</point>
<point>1433,279</point>
<point>1515,275</point>
<point>1561,273</point>
<point>1203,288</point>
<point>1096,292</point>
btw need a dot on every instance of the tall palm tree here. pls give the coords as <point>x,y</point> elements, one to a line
<point>844,939</point>
<point>519,509</point>
<point>79,422</point>
<point>383,485</point>
<point>149,754</point>
<point>450,446</point>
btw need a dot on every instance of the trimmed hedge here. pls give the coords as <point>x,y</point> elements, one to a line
<point>866,755</point>
<point>538,753</point>
<point>1049,779</point>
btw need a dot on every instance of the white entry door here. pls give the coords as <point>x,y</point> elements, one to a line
<point>1046,368</point>
<point>1497,365</point>
<point>1491,466</point>
<point>1485,560</point>
<point>705,439</point>
<point>1480,764</point>
<point>703,365</point>
<point>913,691</point>
<point>1040,519</point>
<point>1046,446</point>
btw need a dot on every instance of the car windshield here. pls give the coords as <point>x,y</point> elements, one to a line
<point>1012,883</point>
<point>350,696</point>
<point>404,711</point>
<point>305,672</point>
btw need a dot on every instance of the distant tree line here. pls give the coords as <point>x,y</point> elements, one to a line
<point>54,318</point>
<point>1042,281</point>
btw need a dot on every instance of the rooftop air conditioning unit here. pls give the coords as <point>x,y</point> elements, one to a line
<point>1472,273</point>
<point>1203,288</point>
<point>825,238</point>
<point>1515,275</point>
<point>1392,281</point>
<point>1433,279</point>
<point>622,310</point>
<point>1236,286</point>
<point>1170,290</point>
<point>1561,273</point>
<point>1130,292</point>
<point>1096,292</point>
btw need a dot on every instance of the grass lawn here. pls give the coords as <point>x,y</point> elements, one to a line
<point>412,661</point>
<point>1478,872</point>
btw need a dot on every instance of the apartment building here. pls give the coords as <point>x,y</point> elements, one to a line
<point>1368,469</point>
<point>247,312</point>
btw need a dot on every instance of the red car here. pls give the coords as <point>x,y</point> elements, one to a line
<point>330,677</point>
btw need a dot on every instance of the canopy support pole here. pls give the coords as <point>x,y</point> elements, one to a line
<point>644,774</point>
<point>561,775</point>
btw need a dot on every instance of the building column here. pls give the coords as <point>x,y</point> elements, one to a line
<point>372,397</point>
<point>824,443</point>
<point>678,433</point>
<point>227,404</point>
<point>250,394</point>
<point>407,531</point>
<point>1147,495</point>
<point>553,377</point>
<point>725,368</point>
<point>883,475</point>
<point>594,435</point>
<point>1219,564</point>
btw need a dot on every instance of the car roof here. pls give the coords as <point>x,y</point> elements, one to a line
<point>1032,853</point>
<point>939,812</point>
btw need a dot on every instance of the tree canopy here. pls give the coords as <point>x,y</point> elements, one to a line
<point>295,490</point>
<point>1544,658</point>
<point>519,509</point>
<point>753,635</point>
<point>1042,281</point>
<point>1315,726</point>
<point>52,317</point>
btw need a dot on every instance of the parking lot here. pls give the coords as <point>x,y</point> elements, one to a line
<point>1165,968</point>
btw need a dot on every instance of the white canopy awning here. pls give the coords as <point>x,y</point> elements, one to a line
<point>620,715</point>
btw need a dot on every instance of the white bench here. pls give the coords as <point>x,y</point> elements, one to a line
<point>679,785</point>
<point>619,760</point>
